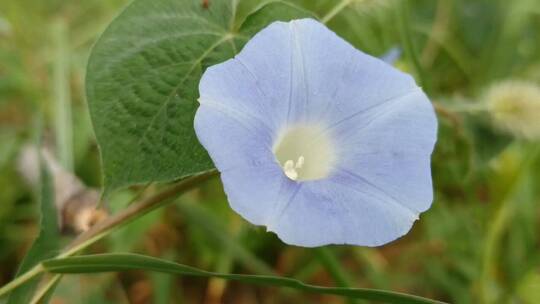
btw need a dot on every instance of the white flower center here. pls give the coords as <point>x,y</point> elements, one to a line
<point>305,152</point>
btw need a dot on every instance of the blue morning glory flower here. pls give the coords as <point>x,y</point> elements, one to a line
<point>317,141</point>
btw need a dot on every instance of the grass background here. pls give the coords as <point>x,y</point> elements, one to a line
<point>479,243</point>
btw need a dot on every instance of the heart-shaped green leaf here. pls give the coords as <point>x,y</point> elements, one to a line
<point>142,83</point>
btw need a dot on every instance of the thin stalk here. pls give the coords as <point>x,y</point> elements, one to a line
<point>467,107</point>
<point>135,211</point>
<point>62,96</point>
<point>307,270</point>
<point>498,226</point>
<point>439,31</point>
<point>225,262</point>
<point>336,10</point>
<point>110,224</point>
<point>332,264</point>
<point>42,292</point>
<point>375,265</point>
<point>402,12</point>
<point>20,280</point>
<point>196,214</point>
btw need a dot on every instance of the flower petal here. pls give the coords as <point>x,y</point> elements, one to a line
<point>403,178</point>
<point>301,71</point>
<point>232,139</point>
<point>329,212</point>
<point>257,81</point>
<point>406,124</point>
<point>257,192</point>
<point>339,79</point>
<point>391,148</point>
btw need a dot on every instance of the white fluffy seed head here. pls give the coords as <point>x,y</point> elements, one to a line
<point>515,107</point>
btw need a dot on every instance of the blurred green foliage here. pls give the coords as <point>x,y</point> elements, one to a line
<point>479,242</point>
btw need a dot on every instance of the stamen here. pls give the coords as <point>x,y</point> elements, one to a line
<point>304,152</point>
<point>300,162</point>
<point>290,167</point>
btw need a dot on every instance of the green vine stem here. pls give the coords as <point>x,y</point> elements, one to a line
<point>110,224</point>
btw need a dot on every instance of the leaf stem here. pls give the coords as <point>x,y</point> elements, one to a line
<point>105,227</point>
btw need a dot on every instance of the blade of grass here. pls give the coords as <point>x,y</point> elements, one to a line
<point>216,286</point>
<point>336,10</point>
<point>310,268</point>
<point>437,34</point>
<point>43,294</point>
<point>328,258</point>
<point>375,266</point>
<point>121,262</point>
<point>211,225</point>
<point>63,122</point>
<point>107,226</point>
<point>61,95</point>
<point>44,247</point>
<point>404,25</point>
<point>453,49</point>
<point>500,223</point>
<point>162,285</point>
